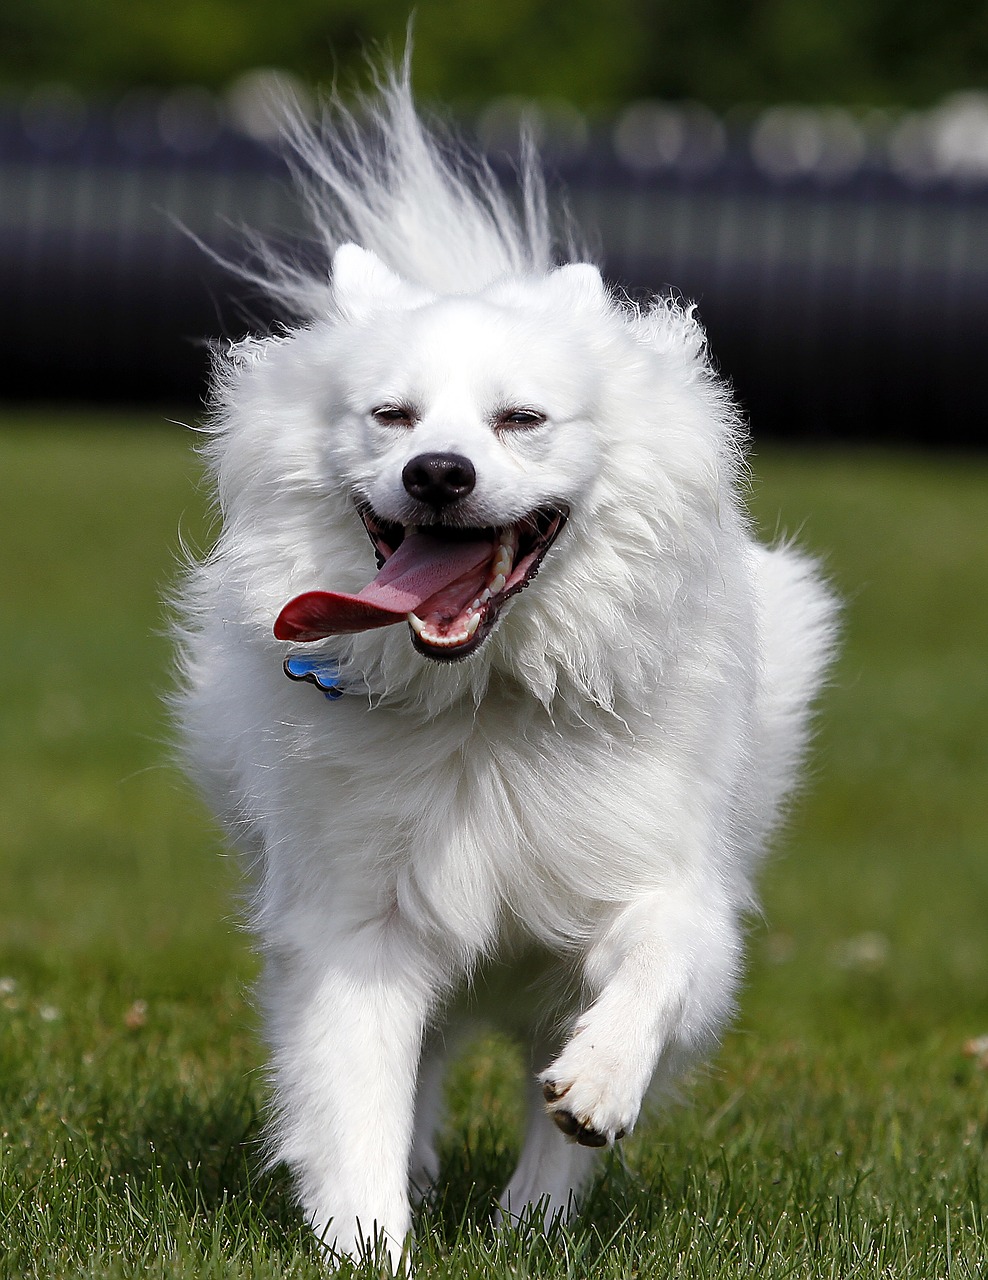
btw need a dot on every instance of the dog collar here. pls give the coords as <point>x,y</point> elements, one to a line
<point>324,673</point>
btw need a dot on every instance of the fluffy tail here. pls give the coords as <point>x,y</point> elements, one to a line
<point>799,622</point>
<point>434,212</point>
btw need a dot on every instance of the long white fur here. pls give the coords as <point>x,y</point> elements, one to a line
<point>586,797</point>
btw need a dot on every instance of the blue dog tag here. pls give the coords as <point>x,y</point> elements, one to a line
<point>324,673</point>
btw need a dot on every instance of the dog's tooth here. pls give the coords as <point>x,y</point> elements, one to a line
<point>498,584</point>
<point>450,640</point>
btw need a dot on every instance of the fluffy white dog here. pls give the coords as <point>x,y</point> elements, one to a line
<point>573,781</point>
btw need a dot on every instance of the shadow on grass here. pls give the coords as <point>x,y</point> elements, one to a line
<point>199,1160</point>
<point>205,1156</point>
<point>460,1222</point>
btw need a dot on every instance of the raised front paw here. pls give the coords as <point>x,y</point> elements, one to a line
<point>593,1102</point>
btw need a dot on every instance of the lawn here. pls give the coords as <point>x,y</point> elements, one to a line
<point>840,1132</point>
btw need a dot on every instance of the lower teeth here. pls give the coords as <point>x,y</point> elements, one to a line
<point>423,630</point>
<point>502,566</point>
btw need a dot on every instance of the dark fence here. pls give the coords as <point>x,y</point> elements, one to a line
<point>840,267</point>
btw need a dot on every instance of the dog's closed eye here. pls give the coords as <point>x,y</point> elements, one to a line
<point>519,419</point>
<point>394,415</point>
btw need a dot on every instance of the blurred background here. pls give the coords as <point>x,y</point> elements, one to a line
<point>812,173</point>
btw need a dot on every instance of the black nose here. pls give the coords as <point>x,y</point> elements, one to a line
<point>439,478</point>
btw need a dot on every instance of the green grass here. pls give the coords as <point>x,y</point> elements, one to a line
<point>841,1131</point>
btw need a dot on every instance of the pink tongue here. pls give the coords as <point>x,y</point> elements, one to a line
<point>420,568</point>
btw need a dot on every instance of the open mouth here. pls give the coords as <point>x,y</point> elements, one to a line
<point>448,582</point>
<point>457,618</point>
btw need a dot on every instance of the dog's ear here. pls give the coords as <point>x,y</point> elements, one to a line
<point>579,283</point>
<point>362,282</point>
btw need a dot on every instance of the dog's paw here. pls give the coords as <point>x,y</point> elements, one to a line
<point>580,1131</point>
<point>589,1095</point>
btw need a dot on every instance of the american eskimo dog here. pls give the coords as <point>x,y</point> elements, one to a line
<point>485,666</point>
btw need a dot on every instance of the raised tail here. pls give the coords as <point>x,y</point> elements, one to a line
<point>798,619</point>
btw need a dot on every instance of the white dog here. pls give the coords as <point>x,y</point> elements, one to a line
<point>573,780</point>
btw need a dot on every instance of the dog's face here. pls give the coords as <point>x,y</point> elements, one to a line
<point>536,435</point>
<point>464,434</point>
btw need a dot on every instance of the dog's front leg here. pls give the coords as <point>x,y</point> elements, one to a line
<point>662,973</point>
<point>346,1015</point>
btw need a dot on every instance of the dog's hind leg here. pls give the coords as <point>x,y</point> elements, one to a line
<point>551,1172</point>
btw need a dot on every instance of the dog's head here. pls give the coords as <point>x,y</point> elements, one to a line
<point>464,434</point>
<point>525,438</point>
